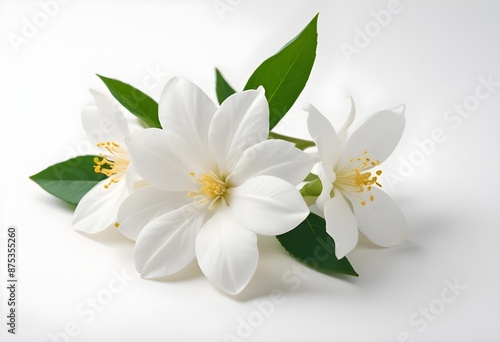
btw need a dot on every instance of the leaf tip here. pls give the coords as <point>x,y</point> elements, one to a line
<point>314,20</point>
<point>103,78</point>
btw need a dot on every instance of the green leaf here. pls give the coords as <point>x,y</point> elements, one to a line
<point>285,74</point>
<point>310,243</point>
<point>136,102</point>
<point>69,180</point>
<point>222,88</point>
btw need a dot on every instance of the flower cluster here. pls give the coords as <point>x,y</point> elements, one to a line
<point>210,181</point>
<point>201,181</point>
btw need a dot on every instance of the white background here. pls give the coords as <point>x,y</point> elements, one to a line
<point>430,56</point>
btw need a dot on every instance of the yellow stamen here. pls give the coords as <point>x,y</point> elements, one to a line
<point>117,225</point>
<point>116,167</point>
<point>355,179</point>
<point>212,187</point>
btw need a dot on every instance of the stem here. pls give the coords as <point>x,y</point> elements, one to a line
<point>299,143</point>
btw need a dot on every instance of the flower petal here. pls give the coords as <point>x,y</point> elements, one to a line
<point>227,253</point>
<point>267,205</point>
<point>186,111</point>
<point>381,221</point>
<point>167,244</point>
<point>241,121</point>
<point>104,121</point>
<point>134,181</point>
<point>97,210</point>
<point>273,158</point>
<point>146,204</point>
<point>378,135</point>
<point>323,134</point>
<point>327,178</point>
<point>160,159</point>
<point>341,224</point>
<point>350,119</point>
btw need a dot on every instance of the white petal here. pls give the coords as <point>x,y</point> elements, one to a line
<point>158,157</point>
<point>350,119</point>
<point>97,210</point>
<point>146,204</point>
<point>185,110</point>
<point>104,121</point>
<point>267,205</point>
<point>378,135</point>
<point>273,158</point>
<point>227,253</point>
<point>167,244</point>
<point>341,224</point>
<point>323,134</point>
<point>381,220</point>
<point>134,181</point>
<point>327,178</point>
<point>241,121</point>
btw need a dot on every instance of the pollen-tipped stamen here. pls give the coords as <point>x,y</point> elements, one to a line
<point>115,168</point>
<point>211,188</point>
<point>356,180</point>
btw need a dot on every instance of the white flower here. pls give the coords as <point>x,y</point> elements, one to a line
<point>105,126</point>
<point>351,197</point>
<point>216,181</point>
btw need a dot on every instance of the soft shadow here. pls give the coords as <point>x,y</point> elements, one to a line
<point>364,243</point>
<point>109,236</point>
<point>407,246</point>
<point>367,257</point>
<point>422,226</point>
<point>275,261</point>
<point>191,271</point>
<point>273,265</point>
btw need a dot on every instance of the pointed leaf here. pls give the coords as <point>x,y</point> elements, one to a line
<point>222,88</point>
<point>69,180</point>
<point>285,74</point>
<point>310,244</point>
<point>134,100</point>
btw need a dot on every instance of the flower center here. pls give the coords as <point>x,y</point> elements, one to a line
<point>116,167</point>
<point>211,188</point>
<point>355,179</point>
